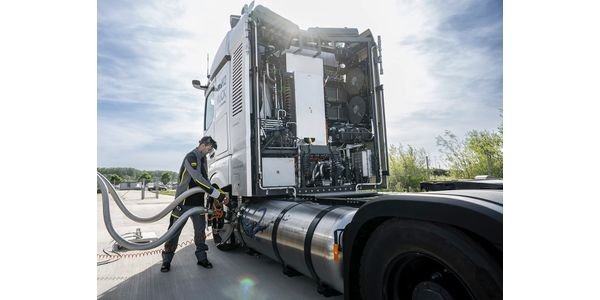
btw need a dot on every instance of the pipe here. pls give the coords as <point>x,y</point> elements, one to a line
<point>156,217</point>
<point>274,81</point>
<point>141,246</point>
<point>259,160</point>
<point>269,74</point>
<point>374,127</point>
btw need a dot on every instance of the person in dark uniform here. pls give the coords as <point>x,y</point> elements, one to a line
<point>193,173</point>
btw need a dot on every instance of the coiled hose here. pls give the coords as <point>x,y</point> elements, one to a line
<point>103,183</point>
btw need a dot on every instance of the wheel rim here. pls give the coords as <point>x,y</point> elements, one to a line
<point>419,276</point>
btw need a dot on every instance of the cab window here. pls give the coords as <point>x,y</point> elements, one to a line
<point>209,109</point>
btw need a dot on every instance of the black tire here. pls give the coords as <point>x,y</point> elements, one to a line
<point>420,260</point>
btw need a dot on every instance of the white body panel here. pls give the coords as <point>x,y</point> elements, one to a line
<point>310,107</point>
<point>231,126</point>
<point>241,166</point>
<point>278,171</point>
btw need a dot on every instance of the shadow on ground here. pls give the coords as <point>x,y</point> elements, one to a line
<point>236,275</point>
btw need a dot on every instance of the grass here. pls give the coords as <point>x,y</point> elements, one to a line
<point>167,192</point>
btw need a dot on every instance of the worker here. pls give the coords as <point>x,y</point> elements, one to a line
<point>193,173</point>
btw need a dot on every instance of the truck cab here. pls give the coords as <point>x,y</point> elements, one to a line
<point>295,111</point>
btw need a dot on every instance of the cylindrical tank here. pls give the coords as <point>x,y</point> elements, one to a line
<point>304,235</point>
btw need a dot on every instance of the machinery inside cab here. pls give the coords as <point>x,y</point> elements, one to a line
<point>320,107</point>
<point>313,104</point>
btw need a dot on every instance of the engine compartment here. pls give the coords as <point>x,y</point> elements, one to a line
<point>316,105</point>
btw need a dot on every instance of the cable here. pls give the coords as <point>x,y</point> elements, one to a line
<point>110,257</point>
<point>113,258</point>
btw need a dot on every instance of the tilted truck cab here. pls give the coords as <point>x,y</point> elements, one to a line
<point>300,121</point>
<point>295,111</point>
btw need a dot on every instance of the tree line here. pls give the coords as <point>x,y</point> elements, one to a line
<point>479,153</point>
<point>118,175</point>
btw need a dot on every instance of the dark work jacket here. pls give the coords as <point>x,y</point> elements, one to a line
<point>193,173</point>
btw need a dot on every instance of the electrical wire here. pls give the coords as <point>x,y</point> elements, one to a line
<point>109,258</point>
<point>113,258</point>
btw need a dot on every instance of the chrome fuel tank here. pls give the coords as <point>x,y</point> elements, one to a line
<point>298,234</point>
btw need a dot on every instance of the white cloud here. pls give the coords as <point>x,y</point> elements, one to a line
<point>436,77</point>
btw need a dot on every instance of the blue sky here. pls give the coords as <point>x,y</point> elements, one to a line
<point>442,63</point>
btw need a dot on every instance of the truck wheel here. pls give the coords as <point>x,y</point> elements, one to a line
<point>421,260</point>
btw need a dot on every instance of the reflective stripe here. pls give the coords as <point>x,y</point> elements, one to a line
<point>181,180</point>
<point>204,185</point>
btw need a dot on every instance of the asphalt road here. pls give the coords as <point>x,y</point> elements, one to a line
<point>136,274</point>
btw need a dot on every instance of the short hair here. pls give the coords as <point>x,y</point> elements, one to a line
<point>209,141</point>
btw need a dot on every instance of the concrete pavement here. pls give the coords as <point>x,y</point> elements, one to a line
<point>136,274</point>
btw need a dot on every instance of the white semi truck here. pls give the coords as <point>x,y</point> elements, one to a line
<point>299,118</point>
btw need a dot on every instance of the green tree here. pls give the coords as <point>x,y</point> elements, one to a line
<point>408,168</point>
<point>132,173</point>
<point>115,179</point>
<point>487,147</point>
<point>469,157</point>
<point>458,155</point>
<point>146,177</point>
<point>165,178</point>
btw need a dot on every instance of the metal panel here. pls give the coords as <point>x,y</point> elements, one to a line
<point>366,164</point>
<point>278,171</point>
<point>310,103</point>
<point>240,102</point>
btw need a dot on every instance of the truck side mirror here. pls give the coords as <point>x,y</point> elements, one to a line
<point>196,83</point>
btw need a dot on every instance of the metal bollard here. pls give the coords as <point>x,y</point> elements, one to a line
<point>156,189</point>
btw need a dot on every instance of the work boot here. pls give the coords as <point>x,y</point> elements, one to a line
<point>165,267</point>
<point>167,257</point>
<point>205,263</point>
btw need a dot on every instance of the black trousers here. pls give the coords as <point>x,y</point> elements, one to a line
<point>199,222</point>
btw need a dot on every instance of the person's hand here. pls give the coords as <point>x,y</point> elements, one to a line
<point>215,193</point>
<point>222,198</point>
